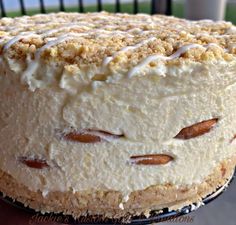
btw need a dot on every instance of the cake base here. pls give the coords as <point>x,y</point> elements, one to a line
<point>105,203</point>
<point>155,217</point>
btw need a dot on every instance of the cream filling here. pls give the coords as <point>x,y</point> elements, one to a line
<point>148,110</point>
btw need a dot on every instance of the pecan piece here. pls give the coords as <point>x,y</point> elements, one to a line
<point>151,159</point>
<point>90,136</point>
<point>34,163</point>
<point>82,137</point>
<point>197,129</point>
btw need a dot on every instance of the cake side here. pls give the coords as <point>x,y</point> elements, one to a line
<point>95,136</point>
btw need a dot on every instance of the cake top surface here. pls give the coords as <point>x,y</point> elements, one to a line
<point>89,38</point>
<point>115,40</point>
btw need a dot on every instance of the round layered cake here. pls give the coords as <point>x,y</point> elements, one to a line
<point>115,114</point>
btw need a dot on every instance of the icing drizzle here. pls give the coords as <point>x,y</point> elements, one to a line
<point>175,55</point>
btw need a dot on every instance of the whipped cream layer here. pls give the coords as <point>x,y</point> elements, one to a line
<point>149,110</point>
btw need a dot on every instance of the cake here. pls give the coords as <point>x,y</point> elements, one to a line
<point>115,114</point>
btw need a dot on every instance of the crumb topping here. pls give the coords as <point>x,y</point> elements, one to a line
<point>114,40</point>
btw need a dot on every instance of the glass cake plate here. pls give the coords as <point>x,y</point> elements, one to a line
<point>155,216</point>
